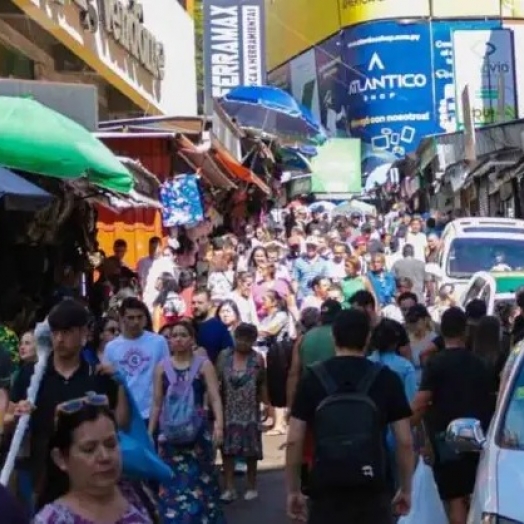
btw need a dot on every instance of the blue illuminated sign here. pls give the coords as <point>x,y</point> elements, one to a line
<point>388,77</point>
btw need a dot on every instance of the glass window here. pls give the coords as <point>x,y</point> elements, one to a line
<point>15,65</point>
<point>469,255</point>
<point>511,433</point>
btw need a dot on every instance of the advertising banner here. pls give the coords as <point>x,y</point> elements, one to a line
<point>484,61</point>
<point>512,8</point>
<point>517,28</point>
<point>358,11</point>
<point>464,8</point>
<point>304,85</point>
<point>336,169</point>
<point>389,102</point>
<point>281,77</point>
<point>331,90</point>
<point>234,50</point>
<point>443,73</point>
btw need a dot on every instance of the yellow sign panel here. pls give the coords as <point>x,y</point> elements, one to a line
<point>292,26</point>
<point>464,8</point>
<point>512,8</point>
<point>357,11</point>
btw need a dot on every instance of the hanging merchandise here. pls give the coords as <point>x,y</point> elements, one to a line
<point>181,201</point>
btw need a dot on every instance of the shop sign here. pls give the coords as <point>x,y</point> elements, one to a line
<point>125,22</point>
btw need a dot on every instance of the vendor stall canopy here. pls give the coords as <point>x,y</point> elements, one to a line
<point>37,139</point>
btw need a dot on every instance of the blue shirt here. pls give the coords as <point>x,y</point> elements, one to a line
<point>305,270</point>
<point>402,367</point>
<point>136,360</point>
<point>213,336</point>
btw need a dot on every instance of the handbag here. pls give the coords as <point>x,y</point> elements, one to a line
<point>139,458</point>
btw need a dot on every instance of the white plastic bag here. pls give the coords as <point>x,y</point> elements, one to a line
<point>426,506</point>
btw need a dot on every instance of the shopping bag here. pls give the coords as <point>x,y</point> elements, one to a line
<point>139,458</point>
<point>426,506</point>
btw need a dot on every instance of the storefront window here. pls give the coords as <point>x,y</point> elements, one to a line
<point>15,65</point>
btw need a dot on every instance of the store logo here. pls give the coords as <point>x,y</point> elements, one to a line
<point>490,65</point>
<point>375,85</point>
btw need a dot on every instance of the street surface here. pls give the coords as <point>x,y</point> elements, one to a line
<point>269,508</point>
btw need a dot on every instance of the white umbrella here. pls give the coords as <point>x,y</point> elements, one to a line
<point>354,206</point>
<point>328,206</point>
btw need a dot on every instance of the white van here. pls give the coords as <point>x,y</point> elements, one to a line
<point>469,245</point>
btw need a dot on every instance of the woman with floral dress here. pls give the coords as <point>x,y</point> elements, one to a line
<point>241,373</point>
<point>192,496</point>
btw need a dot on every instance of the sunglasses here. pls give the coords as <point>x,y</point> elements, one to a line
<point>75,405</point>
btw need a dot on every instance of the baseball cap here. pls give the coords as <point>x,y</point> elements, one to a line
<point>329,310</point>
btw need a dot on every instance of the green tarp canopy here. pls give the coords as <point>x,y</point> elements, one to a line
<point>336,169</point>
<point>37,139</point>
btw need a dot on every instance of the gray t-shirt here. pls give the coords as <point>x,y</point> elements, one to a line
<point>413,269</point>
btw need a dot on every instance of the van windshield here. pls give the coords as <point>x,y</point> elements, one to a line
<point>468,255</point>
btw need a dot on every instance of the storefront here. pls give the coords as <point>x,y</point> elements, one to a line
<point>126,49</point>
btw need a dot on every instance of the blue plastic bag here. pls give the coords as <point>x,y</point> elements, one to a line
<point>426,506</point>
<point>139,458</point>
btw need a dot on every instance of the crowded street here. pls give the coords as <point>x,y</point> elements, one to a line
<point>261,261</point>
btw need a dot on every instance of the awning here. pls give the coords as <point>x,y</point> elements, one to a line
<point>146,184</point>
<point>232,166</point>
<point>17,193</point>
<point>203,163</point>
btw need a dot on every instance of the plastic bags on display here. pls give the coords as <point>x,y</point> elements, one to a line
<point>426,506</point>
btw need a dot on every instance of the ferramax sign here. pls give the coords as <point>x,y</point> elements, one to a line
<point>234,50</point>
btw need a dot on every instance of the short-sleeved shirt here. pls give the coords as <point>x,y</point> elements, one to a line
<point>460,385</point>
<point>54,390</point>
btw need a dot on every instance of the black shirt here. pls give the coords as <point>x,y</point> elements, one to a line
<point>54,390</point>
<point>7,368</point>
<point>460,385</point>
<point>387,392</point>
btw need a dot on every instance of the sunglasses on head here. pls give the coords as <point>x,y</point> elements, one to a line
<point>77,404</point>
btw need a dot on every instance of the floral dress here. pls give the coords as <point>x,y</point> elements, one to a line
<point>241,398</point>
<point>193,495</point>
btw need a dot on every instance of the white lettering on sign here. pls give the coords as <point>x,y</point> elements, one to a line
<point>225,56</point>
<point>251,32</point>
<point>125,23</point>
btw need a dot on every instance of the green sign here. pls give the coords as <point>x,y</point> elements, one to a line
<point>336,169</point>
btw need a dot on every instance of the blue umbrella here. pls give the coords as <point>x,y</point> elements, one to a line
<point>273,111</point>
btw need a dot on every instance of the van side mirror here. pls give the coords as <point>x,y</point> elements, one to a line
<point>465,435</point>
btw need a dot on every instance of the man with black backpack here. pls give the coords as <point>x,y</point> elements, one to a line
<point>348,402</point>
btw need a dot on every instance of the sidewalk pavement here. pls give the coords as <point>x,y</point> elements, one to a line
<point>269,508</point>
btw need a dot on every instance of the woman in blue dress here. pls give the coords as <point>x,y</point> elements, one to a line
<point>193,495</point>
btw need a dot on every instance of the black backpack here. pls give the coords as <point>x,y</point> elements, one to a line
<point>348,437</point>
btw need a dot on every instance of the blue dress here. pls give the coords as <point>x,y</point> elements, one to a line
<point>193,495</point>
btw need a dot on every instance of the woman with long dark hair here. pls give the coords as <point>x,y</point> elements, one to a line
<point>168,306</point>
<point>86,456</point>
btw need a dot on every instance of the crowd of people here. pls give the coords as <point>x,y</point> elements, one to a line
<point>262,334</point>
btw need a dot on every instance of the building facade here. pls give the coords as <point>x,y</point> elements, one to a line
<point>391,72</point>
<point>140,54</point>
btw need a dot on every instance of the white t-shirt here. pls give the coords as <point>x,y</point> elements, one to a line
<point>419,242</point>
<point>136,359</point>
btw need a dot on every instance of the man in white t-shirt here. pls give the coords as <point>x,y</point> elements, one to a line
<point>136,353</point>
<point>417,239</point>
<point>144,264</point>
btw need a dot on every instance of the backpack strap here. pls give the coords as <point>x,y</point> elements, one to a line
<point>197,363</point>
<point>169,371</point>
<point>320,371</point>
<point>369,378</point>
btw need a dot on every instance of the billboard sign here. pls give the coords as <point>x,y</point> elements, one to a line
<point>280,77</point>
<point>443,72</point>
<point>465,8</point>
<point>304,84</point>
<point>484,61</point>
<point>234,50</point>
<point>357,11</point>
<point>389,102</point>
<point>331,91</point>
